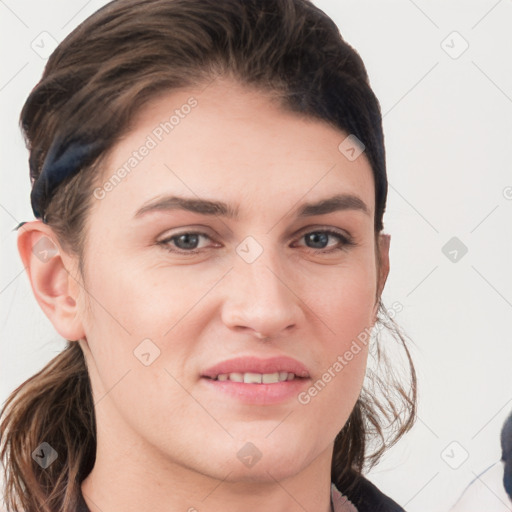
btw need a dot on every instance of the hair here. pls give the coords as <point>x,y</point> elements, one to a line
<point>94,84</point>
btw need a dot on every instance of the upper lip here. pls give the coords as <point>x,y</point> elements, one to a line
<point>257,365</point>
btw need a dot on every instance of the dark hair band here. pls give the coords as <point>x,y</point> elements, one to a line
<point>64,159</point>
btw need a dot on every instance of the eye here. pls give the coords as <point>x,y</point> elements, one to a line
<point>319,240</point>
<point>186,242</point>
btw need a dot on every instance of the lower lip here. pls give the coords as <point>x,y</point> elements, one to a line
<point>258,394</point>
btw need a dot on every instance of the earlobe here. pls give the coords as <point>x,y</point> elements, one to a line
<point>49,271</point>
<point>384,242</point>
<point>382,269</point>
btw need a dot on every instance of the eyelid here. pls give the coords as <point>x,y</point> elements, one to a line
<point>348,239</point>
<point>194,229</point>
<point>166,241</point>
<point>309,229</point>
<point>345,239</point>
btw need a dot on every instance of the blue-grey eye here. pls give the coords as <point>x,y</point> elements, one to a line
<point>187,240</point>
<point>318,237</point>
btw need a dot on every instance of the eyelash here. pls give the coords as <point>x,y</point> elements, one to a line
<point>345,241</point>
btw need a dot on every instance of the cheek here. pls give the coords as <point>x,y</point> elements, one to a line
<point>345,306</point>
<point>344,297</point>
<point>127,303</point>
<point>133,363</point>
<point>349,316</point>
<point>136,318</point>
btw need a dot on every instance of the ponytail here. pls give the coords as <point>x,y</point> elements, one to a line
<point>55,406</point>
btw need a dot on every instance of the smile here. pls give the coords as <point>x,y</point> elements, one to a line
<point>256,378</point>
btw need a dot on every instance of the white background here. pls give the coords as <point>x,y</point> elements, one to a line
<point>448,128</point>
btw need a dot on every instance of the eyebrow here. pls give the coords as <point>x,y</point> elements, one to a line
<point>332,204</point>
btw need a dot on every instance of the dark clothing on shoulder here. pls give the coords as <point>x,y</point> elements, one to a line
<point>366,497</point>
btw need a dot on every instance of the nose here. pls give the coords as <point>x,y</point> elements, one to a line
<point>261,299</point>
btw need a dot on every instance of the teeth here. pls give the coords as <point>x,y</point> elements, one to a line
<point>269,378</point>
<point>256,378</point>
<point>252,378</point>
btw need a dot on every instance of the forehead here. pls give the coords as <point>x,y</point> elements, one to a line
<point>234,143</point>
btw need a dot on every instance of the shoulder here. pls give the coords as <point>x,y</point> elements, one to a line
<point>366,497</point>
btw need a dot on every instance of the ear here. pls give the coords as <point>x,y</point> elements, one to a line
<point>53,277</point>
<point>382,253</point>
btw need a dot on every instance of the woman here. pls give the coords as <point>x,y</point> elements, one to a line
<point>209,186</point>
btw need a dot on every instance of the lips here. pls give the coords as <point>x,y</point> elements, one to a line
<point>258,371</point>
<point>254,381</point>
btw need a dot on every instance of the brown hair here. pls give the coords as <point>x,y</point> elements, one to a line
<point>94,84</point>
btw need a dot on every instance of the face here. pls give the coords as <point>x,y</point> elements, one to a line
<point>176,296</point>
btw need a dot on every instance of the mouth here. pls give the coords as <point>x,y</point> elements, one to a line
<point>256,378</point>
<point>254,370</point>
<point>255,381</point>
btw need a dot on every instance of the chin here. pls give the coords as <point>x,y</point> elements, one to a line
<point>261,461</point>
<point>263,472</point>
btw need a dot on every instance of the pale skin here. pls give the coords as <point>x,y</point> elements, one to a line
<point>166,442</point>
